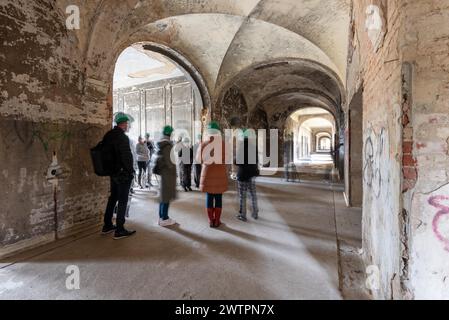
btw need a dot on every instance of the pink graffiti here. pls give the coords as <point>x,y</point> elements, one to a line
<point>444,210</point>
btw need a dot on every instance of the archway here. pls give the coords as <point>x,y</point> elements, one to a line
<point>323,142</point>
<point>158,87</point>
<point>307,127</point>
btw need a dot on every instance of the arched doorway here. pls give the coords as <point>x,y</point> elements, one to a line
<point>312,131</point>
<point>310,134</point>
<point>156,91</point>
<point>323,142</point>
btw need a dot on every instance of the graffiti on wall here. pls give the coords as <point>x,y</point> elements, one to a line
<point>436,202</point>
<point>376,149</point>
<point>69,144</point>
<point>52,137</point>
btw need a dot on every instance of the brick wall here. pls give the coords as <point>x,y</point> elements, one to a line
<point>379,71</point>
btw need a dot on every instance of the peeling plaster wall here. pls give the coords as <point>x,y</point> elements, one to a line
<point>28,203</point>
<point>426,201</point>
<point>41,77</point>
<point>46,106</point>
<point>380,72</point>
<point>406,134</point>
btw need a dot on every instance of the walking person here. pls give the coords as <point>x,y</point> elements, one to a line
<point>121,179</point>
<point>164,165</point>
<point>132,146</point>
<point>143,156</point>
<point>214,179</point>
<point>197,166</point>
<point>247,171</point>
<point>185,155</point>
<point>151,147</point>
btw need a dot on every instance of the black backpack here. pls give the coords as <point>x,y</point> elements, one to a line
<point>103,159</point>
<point>156,163</point>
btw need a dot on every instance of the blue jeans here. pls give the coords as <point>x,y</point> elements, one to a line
<point>163,210</point>
<point>210,198</point>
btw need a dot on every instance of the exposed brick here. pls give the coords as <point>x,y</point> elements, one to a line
<point>407,147</point>
<point>410,173</point>
<point>408,160</point>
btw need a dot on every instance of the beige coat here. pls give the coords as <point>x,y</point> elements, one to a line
<point>214,176</point>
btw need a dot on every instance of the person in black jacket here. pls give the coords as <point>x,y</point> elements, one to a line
<point>247,172</point>
<point>121,179</point>
<point>185,155</point>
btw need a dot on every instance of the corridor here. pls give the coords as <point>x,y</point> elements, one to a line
<point>290,253</point>
<point>345,101</point>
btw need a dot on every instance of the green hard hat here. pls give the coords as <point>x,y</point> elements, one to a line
<point>121,117</point>
<point>168,130</point>
<point>247,133</point>
<point>213,125</point>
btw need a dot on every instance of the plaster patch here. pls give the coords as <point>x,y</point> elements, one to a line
<point>10,235</point>
<point>39,216</point>
<point>29,28</point>
<point>23,97</point>
<point>22,179</point>
<point>43,40</point>
<point>31,85</point>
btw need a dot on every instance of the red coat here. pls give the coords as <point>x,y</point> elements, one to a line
<point>214,176</point>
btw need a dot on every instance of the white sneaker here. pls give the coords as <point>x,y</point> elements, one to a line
<point>167,223</point>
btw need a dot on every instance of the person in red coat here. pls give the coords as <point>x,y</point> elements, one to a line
<point>214,176</point>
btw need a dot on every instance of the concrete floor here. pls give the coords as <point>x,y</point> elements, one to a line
<point>290,253</point>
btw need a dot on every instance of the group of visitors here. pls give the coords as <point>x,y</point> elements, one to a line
<point>206,158</point>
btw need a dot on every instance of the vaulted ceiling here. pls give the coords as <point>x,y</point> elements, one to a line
<point>277,52</point>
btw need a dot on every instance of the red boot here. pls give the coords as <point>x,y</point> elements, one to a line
<point>217,217</point>
<point>210,214</point>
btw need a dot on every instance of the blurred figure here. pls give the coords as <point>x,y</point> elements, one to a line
<point>214,179</point>
<point>176,149</point>
<point>132,145</point>
<point>197,166</point>
<point>166,168</point>
<point>247,171</point>
<point>185,155</point>
<point>150,146</point>
<point>143,156</point>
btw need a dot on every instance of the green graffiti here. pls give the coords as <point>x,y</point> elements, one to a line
<point>51,138</point>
